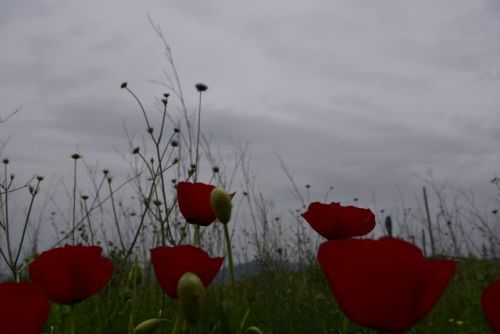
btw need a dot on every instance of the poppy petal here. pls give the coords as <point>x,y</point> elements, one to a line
<point>383,284</point>
<point>334,221</point>
<point>71,274</point>
<point>490,302</point>
<point>24,308</point>
<point>170,263</point>
<point>194,202</point>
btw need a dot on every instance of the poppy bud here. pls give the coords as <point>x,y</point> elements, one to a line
<point>221,204</point>
<point>253,330</point>
<point>147,326</point>
<point>135,275</point>
<point>191,292</point>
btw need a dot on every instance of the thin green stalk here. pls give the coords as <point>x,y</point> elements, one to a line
<point>33,195</point>
<point>132,312</point>
<point>229,254</point>
<point>180,324</point>
<point>197,162</point>
<point>74,202</point>
<point>87,215</point>
<point>6,187</point>
<point>115,216</point>
<point>72,321</point>
<point>244,320</point>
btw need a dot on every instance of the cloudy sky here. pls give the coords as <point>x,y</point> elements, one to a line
<point>364,96</point>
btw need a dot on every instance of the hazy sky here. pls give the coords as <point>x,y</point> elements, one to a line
<point>360,95</point>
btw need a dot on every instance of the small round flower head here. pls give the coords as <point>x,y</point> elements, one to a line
<point>123,85</point>
<point>177,130</point>
<point>215,169</point>
<point>136,150</point>
<point>174,143</point>
<point>85,197</point>
<point>39,178</point>
<point>76,156</point>
<point>201,87</point>
<point>5,161</point>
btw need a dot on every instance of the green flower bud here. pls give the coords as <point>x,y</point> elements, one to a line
<point>147,326</point>
<point>191,294</point>
<point>135,275</point>
<point>253,330</point>
<point>221,204</point>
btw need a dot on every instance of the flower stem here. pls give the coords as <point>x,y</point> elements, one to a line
<point>180,324</point>
<point>72,321</point>
<point>229,254</point>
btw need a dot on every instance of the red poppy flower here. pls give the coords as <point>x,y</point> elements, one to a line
<point>194,202</point>
<point>490,301</point>
<point>170,263</point>
<point>71,274</point>
<point>383,284</point>
<point>24,308</point>
<point>334,221</point>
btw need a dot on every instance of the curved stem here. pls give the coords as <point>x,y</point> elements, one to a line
<point>229,254</point>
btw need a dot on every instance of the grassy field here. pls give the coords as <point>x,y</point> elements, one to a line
<point>277,300</point>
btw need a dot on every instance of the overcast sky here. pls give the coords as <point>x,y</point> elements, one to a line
<point>360,95</point>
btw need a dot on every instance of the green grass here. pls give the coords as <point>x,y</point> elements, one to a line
<point>278,300</point>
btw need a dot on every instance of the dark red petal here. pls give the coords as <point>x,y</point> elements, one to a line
<point>194,202</point>
<point>24,308</point>
<point>438,274</point>
<point>490,302</point>
<point>71,274</point>
<point>374,282</point>
<point>334,221</point>
<point>170,263</point>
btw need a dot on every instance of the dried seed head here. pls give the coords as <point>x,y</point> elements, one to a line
<point>123,85</point>
<point>201,87</point>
